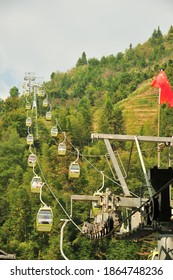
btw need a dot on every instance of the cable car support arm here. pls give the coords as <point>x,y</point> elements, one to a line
<point>133,138</point>
<point>117,168</point>
<point>65,221</point>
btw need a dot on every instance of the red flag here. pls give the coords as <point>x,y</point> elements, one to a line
<point>166,93</point>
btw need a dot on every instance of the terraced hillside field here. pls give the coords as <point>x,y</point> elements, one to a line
<point>140,109</point>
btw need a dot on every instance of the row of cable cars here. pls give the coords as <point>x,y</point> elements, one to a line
<point>44,218</point>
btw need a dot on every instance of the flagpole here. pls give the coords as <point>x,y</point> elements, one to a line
<point>165,96</point>
<point>158,130</point>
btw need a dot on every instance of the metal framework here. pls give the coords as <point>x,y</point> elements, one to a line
<point>156,222</point>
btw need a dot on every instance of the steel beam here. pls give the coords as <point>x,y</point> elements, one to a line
<point>117,168</point>
<point>120,201</point>
<point>93,198</point>
<point>143,167</point>
<point>130,202</point>
<point>119,137</point>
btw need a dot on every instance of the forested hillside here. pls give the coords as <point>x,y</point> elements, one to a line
<point>110,95</point>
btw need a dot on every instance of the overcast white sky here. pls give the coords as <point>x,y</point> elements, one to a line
<point>44,36</point>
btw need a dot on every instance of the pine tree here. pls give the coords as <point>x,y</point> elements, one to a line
<point>82,61</point>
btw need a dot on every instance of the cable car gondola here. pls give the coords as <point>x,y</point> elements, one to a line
<point>44,219</point>
<point>30,139</point>
<point>36,184</point>
<point>32,160</point>
<point>40,92</point>
<point>54,131</point>
<point>62,149</point>
<point>48,116</point>
<point>45,102</point>
<point>28,105</point>
<point>26,92</point>
<point>74,170</point>
<point>28,121</point>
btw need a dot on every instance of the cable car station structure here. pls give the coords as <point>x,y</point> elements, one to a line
<point>152,216</point>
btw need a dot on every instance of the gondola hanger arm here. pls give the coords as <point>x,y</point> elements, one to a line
<point>41,195</point>
<point>64,137</point>
<point>77,158</point>
<point>34,171</point>
<point>103,182</point>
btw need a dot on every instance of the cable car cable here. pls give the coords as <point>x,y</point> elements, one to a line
<point>113,174</point>
<point>57,200</point>
<point>75,161</point>
<point>87,159</point>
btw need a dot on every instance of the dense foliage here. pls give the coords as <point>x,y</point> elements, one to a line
<point>87,98</point>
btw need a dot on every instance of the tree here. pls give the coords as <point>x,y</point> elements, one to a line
<point>93,62</point>
<point>157,37</point>
<point>170,34</point>
<point>111,120</point>
<point>52,75</point>
<point>14,92</point>
<point>1,106</point>
<point>82,61</point>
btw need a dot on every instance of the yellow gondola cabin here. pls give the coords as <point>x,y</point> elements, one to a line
<point>28,121</point>
<point>28,105</point>
<point>40,93</point>
<point>36,184</point>
<point>62,149</point>
<point>54,131</point>
<point>32,160</point>
<point>44,219</point>
<point>30,139</point>
<point>45,102</point>
<point>48,116</point>
<point>74,170</point>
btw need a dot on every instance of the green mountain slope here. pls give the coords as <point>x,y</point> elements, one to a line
<point>140,109</point>
<point>110,95</point>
